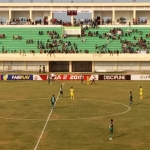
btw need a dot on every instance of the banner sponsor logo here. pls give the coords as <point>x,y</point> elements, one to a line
<point>40,77</point>
<point>5,77</point>
<point>65,77</point>
<point>114,77</point>
<point>22,77</point>
<point>140,77</point>
<point>75,77</point>
<point>17,77</point>
<point>68,77</point>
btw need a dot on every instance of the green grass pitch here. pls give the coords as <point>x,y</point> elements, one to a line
<point>81,124</point>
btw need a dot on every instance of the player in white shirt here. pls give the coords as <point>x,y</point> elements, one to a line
<point>52,77</point>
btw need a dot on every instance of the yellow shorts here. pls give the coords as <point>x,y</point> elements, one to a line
<point>71,94</point>
<point>141,93</point>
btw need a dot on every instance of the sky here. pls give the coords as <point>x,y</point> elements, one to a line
<point>64,16</point>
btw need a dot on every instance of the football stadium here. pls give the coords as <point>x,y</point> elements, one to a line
<point>74,75</point>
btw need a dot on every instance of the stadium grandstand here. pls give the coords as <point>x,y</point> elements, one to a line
<point>111,40</point>
<point>74,75</point>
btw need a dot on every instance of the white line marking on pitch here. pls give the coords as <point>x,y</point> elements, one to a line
<point>32,119</point>
<point>21,119</point>
<point>22,100</point>
<point>46,122</point>
<point>98,116</point>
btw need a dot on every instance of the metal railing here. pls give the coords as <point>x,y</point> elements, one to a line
<point>12,68</point>
<point>72,1</point>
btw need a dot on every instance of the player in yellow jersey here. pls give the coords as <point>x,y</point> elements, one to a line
<point>141,93</point>
<point>72,93</point>
<point>88,80</point>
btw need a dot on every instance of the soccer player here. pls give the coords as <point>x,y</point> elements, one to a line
<point>88,80</point>
<point>72,93</point>
<point>40,69</point>
<point>111,129</point>
<point>131,98</point>
<point>93,79</point>
<point>82,78</point>
<point>53,77</point>
<point>61,91</point>
<point>49,79</point>
<point>53,99</point>
<point>141,92</point>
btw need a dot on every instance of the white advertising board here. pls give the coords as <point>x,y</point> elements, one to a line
<point>72,31</point>
<point>140,77</point>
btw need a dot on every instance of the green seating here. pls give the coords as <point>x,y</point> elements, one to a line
<point>32,33</point>
<point>26,33</point>
<point>113,44</point>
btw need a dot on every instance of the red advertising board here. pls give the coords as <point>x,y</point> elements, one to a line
<point>39,77</point>
<point>69,77</point>
<point>65,77</point>
<point>74,77</point>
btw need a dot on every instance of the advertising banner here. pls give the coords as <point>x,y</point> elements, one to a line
<point>65,77</point>
<point>140,77</point>
<point>114,77</point>
<point>75,77</point>
<point>40,77</point>
<point>17,77</point>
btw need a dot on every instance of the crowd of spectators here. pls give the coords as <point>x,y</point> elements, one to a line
<point>95,22</point>
<point>17,21</point>
<point>29,41</point>
<point>28,21</point>
<point>57,44</point>
<point>55,21</point>
<point>137,45</point>
<point>76,22</point>
<point>139,21</point>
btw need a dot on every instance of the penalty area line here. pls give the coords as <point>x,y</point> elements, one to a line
<point>47,121</point>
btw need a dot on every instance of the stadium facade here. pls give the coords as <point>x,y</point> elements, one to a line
<point>112,10</point>
<point>75,62</point>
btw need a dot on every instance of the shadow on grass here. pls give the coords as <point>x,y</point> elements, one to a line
<point>121,135</point>
<point>64,97</point>
<point>146,97</point>
<point>61,107</point>
<point>139,103</point>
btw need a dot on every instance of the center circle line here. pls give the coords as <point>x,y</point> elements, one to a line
<point>85,118</point>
